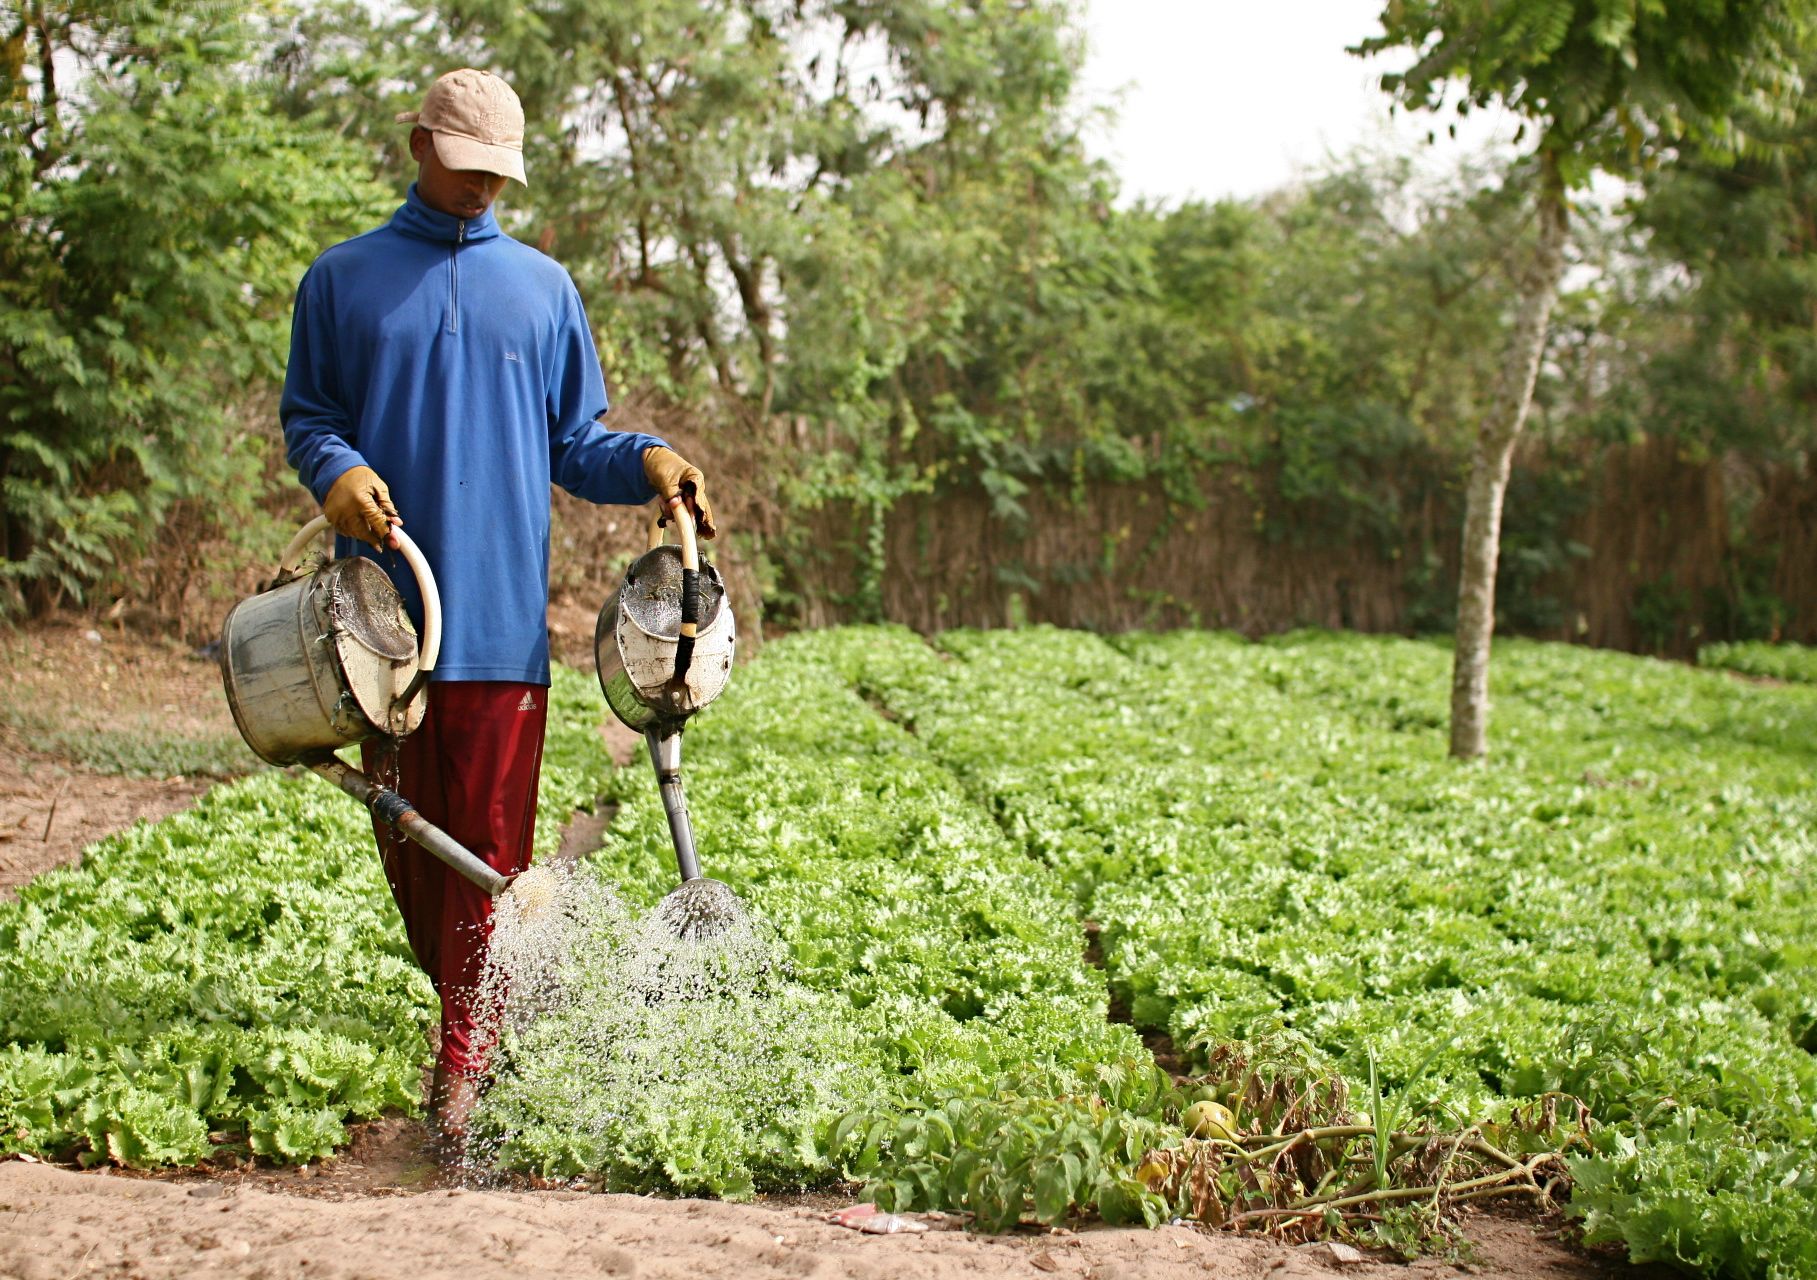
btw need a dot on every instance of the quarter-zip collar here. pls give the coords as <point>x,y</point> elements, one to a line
<point>419,221</point>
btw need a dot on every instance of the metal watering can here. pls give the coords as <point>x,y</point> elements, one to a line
<point>321,661</point>
<point>663,647</point>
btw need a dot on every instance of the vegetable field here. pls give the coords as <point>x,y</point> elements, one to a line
<point>1262,845</point>
<point>1790,662</point>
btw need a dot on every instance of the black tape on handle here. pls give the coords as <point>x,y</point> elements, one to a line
<point>389,806</point>
<point>690,617</point>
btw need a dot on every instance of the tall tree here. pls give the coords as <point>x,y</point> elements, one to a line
<point>1618,85</point>
<point>154,216</point>
<point>1745,234</point>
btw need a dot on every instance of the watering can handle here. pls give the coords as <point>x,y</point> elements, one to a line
<point>431,647</point>
<point>690,580</point>
<point>684,522</point>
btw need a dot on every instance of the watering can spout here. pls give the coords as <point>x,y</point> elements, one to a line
<point>395,811</point>
<point>664,741</point>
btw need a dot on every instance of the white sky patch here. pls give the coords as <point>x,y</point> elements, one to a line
<point>1233,98</point>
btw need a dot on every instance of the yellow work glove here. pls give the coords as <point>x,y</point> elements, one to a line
<point>670,474</point>
<point>358,505</point>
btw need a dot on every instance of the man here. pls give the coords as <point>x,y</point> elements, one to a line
<point>456,363</point>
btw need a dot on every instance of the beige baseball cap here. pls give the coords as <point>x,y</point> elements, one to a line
<point>477,121</point>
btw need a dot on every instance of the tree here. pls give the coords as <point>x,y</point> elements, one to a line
<point>1746,235</point>
<point>154,217</point>
<point>1623,86</point>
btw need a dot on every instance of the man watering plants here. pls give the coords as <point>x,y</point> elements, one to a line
<point>442,375</point>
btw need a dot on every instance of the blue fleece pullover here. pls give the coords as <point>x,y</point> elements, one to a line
<point>457,363</point>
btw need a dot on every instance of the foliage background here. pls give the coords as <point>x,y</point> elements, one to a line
<point>852,256</point>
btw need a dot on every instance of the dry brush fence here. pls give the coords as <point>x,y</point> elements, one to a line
<point>1662,549</point>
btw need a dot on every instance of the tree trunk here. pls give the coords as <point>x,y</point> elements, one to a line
<point>1489,463</point>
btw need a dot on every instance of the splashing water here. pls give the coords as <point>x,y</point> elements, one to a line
<point>700,909</point>
<point>640,1060</point>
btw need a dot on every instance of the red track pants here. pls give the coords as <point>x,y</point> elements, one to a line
<point>472,770</point>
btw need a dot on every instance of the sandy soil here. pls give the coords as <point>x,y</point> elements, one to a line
<point>82,676</point>
<point>571,632</point>
<point>51,810</point>
<point>97,673</point>
<point>55,1223</point>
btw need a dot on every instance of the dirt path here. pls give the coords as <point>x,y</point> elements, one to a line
<point>100,729</point>
<point>55,1223</point>
<point>51,809</point>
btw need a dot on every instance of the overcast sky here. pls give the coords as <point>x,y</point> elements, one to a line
<point>1236,97</point>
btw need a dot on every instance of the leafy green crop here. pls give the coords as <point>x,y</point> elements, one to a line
<point>641,1061</point>
<point>1041,1146</point>
<point>1281,864</point>
<point>926,956</point>
<point>234,976</point>
<point>1619,906</point>
<point>229,969</point>
<point>1795,662</point>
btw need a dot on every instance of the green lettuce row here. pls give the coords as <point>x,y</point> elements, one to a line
<point>1794,662</point>
<point>1619,905</point>
<point>870,862</point>
<point>1270,837</point>
<point>235,974</point>
<point>923,945</point>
